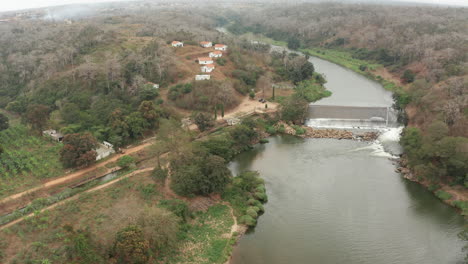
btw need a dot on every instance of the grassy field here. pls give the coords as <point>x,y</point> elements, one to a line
<point>345,59</point>
<point>261,38</point>
<point>203,239</point>
<point>26,159</point>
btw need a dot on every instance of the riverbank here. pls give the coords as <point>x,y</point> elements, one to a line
<point>455,196</point>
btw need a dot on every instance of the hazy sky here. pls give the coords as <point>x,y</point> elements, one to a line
<point>6,5</point>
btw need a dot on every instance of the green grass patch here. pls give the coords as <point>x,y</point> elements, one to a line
<point>26,159</point>
<point>443,195</point>
<point>261,38</point>
<point>462,205</point>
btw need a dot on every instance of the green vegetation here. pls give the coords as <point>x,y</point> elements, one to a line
<point>121,225</point>
<point>26,159</point>
<point>246,194</point>
<point>125,161</point>
<point>78,150</point>
<point>443,195</point>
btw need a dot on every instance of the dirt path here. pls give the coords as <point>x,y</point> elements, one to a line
<point>75,175</point>
<point>75,197</point>
<point>248,105</point>
<point>234,228</point>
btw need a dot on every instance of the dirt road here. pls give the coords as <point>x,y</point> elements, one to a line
<point>76,197</point>
<point>74,175</point>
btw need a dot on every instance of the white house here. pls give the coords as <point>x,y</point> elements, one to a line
<point>177,44</point>
<point>202,77</point>
<point>104,150</point>
<point>207,68</point>
<point>153,85</point>
<point>216,54</point>
<point>221,47</point>
<point>206,44</point>
<point>52,133</point>
<point>205,60</point>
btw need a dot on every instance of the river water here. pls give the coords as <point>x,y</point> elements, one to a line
<point>340,201</point>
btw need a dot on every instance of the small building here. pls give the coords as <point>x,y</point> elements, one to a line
<point>202,77</point>
<point>153,85</point>
<point>205,60</point>
<point>233,121</point>
<point>177,44</point>
<point>53,134</point>
<point>104,150</point>
<point>207,68</point>
<point>206,44</point>
<point>216,54</point>
<point>221,47</point>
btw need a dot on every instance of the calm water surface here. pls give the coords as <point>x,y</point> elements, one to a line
<point>334,201</point>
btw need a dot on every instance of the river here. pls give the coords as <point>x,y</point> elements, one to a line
<point>340,201</point>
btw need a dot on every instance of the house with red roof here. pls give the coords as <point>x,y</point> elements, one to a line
<point>207,68</point>
<point>206,44</point>
<point>216,54</point>
<point>205,60</point>
<point>177,44</point>
<point>221,47</point>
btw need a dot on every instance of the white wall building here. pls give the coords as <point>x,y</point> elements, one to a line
<point>177,44</point>
<point>207,68</point>
<point>205,60</point>
<point>202,77</point>
<point>216,54</point>
<point>206,44</point>
<point>221,47</point>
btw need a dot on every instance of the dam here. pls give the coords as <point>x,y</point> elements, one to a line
<point>358,117</point>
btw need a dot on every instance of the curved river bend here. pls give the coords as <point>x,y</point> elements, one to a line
<point>340,201</point>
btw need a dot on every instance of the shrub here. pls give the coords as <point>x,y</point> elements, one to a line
<point>178,207</point>
<point>462,205</point>
<point>247,220</point>
<point>130,245</point>
<point>252,94</point>
<point>362,67</point>
<point>125,161</point>
<point>221,61</point>
<point>159,174</point>
<point>443,195</point>
<point>252,213</point>
<point>264,141</point>
<point>270,130</point>
<point>261,196</point>
<point>433,187</point>
<point>299,130</point>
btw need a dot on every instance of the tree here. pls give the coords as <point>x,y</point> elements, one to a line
<point>203,121</point>
<point>216,175</point>
<point>199,174</point>
<point>37,115</point>
<point>136,124</point>
<point>3,122</point>
<point>78,150</point>
<point>148,111</point>
<point>243,136</point>
<point>130,246</point>
<point>160,227</point>
<point>408,76</point>
<point>125,161</point>
<point>293,43</point>
<point>70,113</point>
<point>294,109</point>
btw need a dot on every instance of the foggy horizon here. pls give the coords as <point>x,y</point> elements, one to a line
<point>33,4</point>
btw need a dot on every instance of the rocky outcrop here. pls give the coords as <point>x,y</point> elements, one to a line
<point>309,132</point>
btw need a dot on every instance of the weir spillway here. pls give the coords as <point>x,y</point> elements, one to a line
<point>334,116</point>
